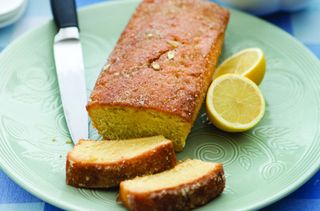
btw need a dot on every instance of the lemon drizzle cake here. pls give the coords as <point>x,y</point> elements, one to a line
<point>157,76</point>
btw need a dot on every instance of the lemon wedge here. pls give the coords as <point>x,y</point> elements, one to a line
<point>234,103</point>
<point>250,63</point>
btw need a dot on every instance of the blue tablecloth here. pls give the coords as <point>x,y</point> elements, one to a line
<point>304,25</point>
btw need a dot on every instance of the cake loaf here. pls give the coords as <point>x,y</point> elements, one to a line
<point>104,164</point>
<point>180,188</point>
<point>156,78</point>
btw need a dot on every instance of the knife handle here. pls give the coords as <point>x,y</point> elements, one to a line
<point>64,13</point>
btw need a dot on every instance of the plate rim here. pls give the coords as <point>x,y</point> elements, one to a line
<point>40,193</point>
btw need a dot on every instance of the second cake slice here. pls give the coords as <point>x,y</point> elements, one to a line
<point>188,185</point>
<point>103,164</point>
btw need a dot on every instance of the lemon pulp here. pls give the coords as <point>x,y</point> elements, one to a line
<point>249,62</point>
<point>234,103</point>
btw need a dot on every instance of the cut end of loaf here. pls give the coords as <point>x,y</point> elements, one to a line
<point>128,122</point>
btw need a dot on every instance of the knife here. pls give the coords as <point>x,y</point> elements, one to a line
<point>70,68</point>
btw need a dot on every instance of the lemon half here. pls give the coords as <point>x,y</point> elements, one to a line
<point>250,63</point>
<point>234,103</point>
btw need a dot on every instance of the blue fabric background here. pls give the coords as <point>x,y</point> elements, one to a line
<point>304,25</point>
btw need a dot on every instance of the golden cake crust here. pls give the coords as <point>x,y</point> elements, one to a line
<point>183,197</point>
<point>164,59</point>
<point>104,175</point>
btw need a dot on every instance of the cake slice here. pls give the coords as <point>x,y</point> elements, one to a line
<point>157,76</point>
<point>189,184</point>
<point>103,164</point>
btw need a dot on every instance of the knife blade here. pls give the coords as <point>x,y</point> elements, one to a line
<point>70,68</point>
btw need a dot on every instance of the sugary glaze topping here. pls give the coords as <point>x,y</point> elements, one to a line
<point>163,60</point>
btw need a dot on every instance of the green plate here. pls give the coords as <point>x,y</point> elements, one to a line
<point>261,165</point>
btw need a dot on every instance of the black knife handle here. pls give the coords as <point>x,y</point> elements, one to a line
<point>64,13</point>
